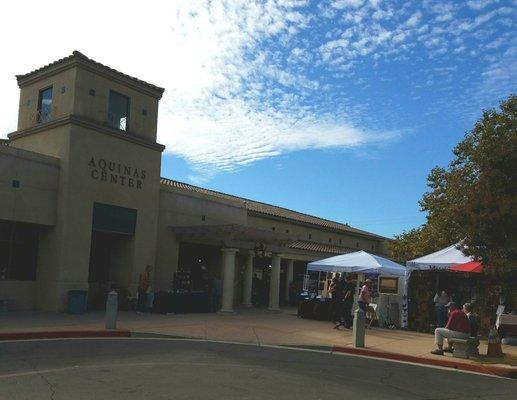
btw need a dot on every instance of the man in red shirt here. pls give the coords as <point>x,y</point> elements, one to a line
<point>457,327</point>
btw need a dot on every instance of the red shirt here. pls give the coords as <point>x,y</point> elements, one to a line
<point>458,321</point>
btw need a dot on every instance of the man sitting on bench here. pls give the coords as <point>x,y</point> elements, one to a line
<point>457,327</point>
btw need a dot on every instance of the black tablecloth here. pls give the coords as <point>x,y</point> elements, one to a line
<point>315,308</point>
<point>186,302</point>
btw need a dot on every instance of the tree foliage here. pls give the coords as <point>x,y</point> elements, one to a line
<point>474,200</point>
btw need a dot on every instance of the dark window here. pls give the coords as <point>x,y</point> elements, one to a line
<point>203,218</point>
<point>118,111</point>
<point>15,183</point>
<point>273,228</point>
<point>356,244</point>
<point>340,241</point>
<point>310,236</point>
<point>330,240</point>
<point>92,92</point>
<point>144,112</point>
<point>287,231</point>
<point>45,105</point>
<point>18,251</point>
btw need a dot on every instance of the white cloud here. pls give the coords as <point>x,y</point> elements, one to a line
<point>342,4</point>
<point>480,4</point>
<point>414,20</point>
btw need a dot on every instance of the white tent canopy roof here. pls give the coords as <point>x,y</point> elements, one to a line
<point>359,261</point>
<point>441,259</point>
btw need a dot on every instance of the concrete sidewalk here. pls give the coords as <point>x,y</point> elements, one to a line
<point>257,326</point>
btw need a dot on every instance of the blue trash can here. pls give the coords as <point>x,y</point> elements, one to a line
<point>77,301</point>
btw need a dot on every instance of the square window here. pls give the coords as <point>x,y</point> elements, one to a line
<point>118,111</point>
<point>45,105</point>
<point>16,183</point>
<point>91,92</point>
<point>144,112</point>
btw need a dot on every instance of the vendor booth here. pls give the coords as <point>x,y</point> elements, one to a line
<point>419,302</point>
<point>450,274</point>
<point>386,275</point>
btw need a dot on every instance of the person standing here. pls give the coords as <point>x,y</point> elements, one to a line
<point>348,302</point>
<point>440,301</point>
<point>473,323</point>
<point>457,327</point>
<point>144,281</point>
<point>365,296</point>
<point>336,290</point>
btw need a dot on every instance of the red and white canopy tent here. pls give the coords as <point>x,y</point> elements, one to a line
<point>451,258</point>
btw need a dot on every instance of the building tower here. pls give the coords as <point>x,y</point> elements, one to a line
<point>101,125</point>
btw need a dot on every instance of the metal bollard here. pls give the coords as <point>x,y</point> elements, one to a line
<point>359,328</point>
<point>111,310</point>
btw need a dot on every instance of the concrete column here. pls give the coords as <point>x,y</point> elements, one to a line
<point>228,269</point>
<point>288,278</point>
<point>248,280</point>
<point>274,284</point>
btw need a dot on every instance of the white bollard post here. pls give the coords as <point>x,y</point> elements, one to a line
<point>359,328</point>
<point>111,310</point>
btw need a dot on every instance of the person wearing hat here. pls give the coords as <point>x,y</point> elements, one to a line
<point>365,296</point>
<point>458,326</point>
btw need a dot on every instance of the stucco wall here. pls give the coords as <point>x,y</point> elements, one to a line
<point>34,200</point>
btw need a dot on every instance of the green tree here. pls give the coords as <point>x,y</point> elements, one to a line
<point>474,200</point>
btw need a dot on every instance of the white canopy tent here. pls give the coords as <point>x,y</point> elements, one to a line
<point>441,259</point>
<point>365,263</point>
<point>359,261</point>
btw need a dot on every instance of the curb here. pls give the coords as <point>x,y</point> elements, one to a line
<point>505,372</point>
<point>63,334</point>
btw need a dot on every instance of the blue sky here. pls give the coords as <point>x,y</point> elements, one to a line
<point>334,108</point>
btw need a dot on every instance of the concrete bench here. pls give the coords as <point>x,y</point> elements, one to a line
<point>465,348</point>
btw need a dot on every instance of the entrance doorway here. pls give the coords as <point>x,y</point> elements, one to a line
<point>113,229</point>
<point>109,268</point>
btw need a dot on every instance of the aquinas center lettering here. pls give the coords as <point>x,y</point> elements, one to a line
<point>116,173</point>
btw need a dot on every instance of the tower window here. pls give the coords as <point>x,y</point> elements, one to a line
<point>45,105</point>
<point>118,111</point>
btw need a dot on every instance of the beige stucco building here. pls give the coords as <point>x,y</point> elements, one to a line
<point>82,202</point>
